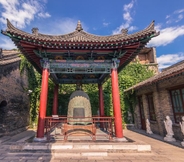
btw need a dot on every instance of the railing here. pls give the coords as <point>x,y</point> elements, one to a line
<point>95,122</point>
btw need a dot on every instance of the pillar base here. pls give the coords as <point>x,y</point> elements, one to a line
<point>169,138</point>
<point>43,139</point>
<point>182,143</point>
<point>123,139</point>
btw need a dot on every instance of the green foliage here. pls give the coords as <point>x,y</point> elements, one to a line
<point>129,76</point>
<point>107,92</point>
<point>133,74</point>
<point>92,91</point>
<point>34,80</point>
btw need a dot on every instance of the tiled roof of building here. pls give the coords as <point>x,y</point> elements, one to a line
<point>119,49</point>
<point>9,56</point>
<point>172,71</point>
<point>79,35</point>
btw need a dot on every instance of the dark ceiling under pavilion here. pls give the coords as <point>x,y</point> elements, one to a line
<point>79,57</point>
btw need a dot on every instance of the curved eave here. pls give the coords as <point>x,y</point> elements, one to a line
<point>31,57</point>
<point>175,71</point>
<point>80,36</point>
<point>127,46</point>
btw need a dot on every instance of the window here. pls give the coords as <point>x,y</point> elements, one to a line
<point>177,97</point>
<point>151,107</point>
<point>141,107</point>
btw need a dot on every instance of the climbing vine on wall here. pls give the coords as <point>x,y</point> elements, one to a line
<point>129,76</point>
<point>34,83</point>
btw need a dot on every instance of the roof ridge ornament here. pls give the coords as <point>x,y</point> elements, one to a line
<point>79,26</point>
<point>35,31</point>
<point>124,31</point>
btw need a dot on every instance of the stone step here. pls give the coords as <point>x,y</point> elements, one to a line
<point>77,153</point>
<point>80,147</point>
<point>4,139</point>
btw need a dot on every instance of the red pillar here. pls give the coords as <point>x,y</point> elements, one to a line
<point>43,103</point>
<point>55,100</point>
<point>101,100</point>
<point>116,104</point>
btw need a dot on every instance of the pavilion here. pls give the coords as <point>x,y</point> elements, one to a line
<point>79,58</point>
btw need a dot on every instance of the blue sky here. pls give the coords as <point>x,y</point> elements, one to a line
<point>101,17</point>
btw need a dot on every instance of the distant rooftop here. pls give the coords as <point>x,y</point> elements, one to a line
<point>9,56</point>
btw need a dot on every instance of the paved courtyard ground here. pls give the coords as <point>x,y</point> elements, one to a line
<point>161,151</point>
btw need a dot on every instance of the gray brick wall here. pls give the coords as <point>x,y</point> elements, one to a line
<point>13,89</point>
<point>162,104</point>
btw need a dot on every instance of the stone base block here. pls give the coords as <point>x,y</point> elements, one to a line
<point>149,132</point>
<point>40,139</point>
<point>120,139</point>
<point>169,139</point>
<point>182,143</point>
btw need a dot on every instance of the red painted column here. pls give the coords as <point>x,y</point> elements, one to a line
<point>55,100</point>
<point>116,104</point>
<point>101,100</point>
<point>43,103</point>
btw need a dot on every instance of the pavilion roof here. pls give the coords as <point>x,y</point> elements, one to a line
<point>81,36</point>
<point>80,45</point>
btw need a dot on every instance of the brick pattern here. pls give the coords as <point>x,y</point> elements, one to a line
<point>162,104</point>
<point>14,117</point>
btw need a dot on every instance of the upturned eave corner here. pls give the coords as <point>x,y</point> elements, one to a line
<point>152,27</point>
<point>9,25</point>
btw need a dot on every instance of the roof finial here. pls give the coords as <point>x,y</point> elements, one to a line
<point>79,26</point>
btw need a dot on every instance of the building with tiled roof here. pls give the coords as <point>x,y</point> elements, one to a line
<point>81,46</point>
<point>8,60</point>
<point>159,96</point>
<point>147,57</point>
<point>9,56</point>
<point>79,58</point>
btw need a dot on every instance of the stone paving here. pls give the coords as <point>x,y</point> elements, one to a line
<point>161,151</point>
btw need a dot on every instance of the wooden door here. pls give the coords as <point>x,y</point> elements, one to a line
<point>142,116</point>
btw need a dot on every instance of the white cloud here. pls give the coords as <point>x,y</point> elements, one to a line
<point>44,15</point>
<point>6,43</point>
<point>167,35</point>
<point>63,26</point>
<point>179,11</point>
<point>167,60</point>
<point>66,26</point>
<point>105,24</point>
<point>127,17</point>
<point>168,16</point>
<point>132,28</point>
<point>22,12</point>
<point>118,29</point>
<point>180,17</point>
<point>175,17</point>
